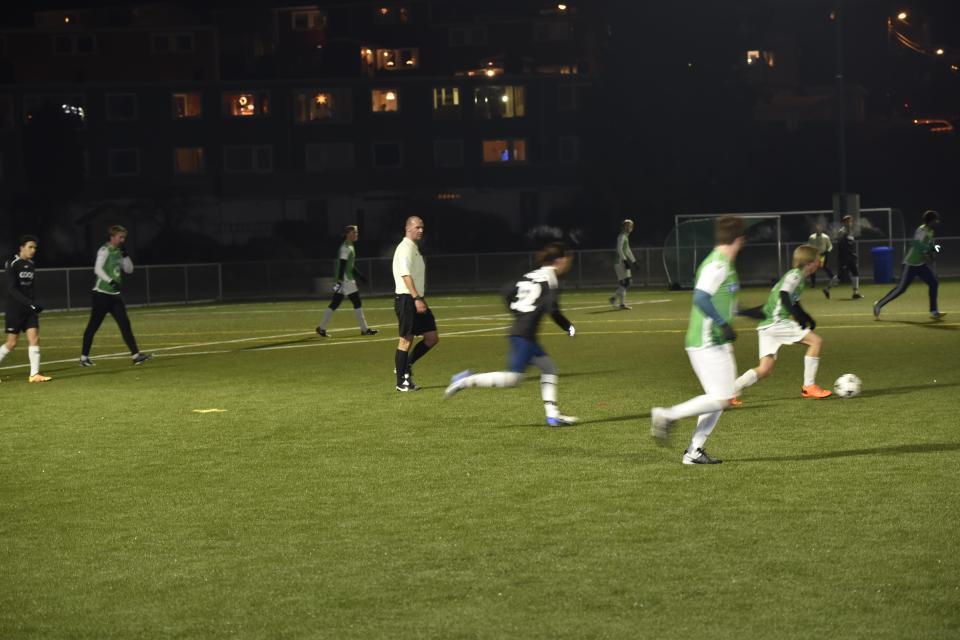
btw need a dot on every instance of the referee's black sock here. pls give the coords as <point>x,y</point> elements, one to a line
<point>418,352</point>
<point>401,364</point>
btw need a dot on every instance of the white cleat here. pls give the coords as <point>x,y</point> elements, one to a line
<point>660,425</point>
<point>455,383</point>
<point>562,421</point>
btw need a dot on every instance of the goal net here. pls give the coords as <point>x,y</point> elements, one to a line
<point>771,238</point>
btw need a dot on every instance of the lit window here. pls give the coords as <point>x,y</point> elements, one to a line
<point>72,106</point>
<point>385,100</point>
<point>504,151</point>
<point>329,156</point>
<point>446,102</point>
<point>391,13</point>
<point>331,105</point>
<point>187,105</point>
<point>121,106</point>
<point>123,162</point>
<point>387,155</point>
<point>757,58</point>
<point>499,102</point>
<point>188,161</point>
<point>248,159</point>
<point>246,104</point>
<point>395,59</point>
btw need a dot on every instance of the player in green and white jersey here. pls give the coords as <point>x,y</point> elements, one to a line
<point>709,342</point>
<point>623,264</point>
<point>777,328</point>
<point>111,263</point>
<point>347,274</point>
<point>917,263</point>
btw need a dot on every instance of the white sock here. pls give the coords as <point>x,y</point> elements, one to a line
<point>810,365</point>
<point>34,354</point>
<point>748,379</point>
<point>705,425</point>
<point>548,391</point>
<point>360,319</point>
<point>693,407</point>
<point>492,379</point>
<point>856,283</point>
<point>326,318</point>
<point>3,352</point>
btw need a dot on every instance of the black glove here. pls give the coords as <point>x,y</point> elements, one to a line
<point>36,308</point>
<point>752,312</point>
<point>728,333</point>
<point>123,250</point>
<point>626,264</point>
<point>114,285</point>
<point>806,321</point>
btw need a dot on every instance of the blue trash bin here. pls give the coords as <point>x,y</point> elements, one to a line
<point>882,264</point>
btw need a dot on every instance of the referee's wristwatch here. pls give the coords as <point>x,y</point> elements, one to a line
<point>418,298</point>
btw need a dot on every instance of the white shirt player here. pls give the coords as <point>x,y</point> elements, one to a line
<point>407,261</point>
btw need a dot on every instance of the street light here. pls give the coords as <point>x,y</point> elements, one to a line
<point>939,52</point>
<point>902,16</point>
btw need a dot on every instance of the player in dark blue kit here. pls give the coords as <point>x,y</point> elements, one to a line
<point>533,296</point>
<point>23,313</point>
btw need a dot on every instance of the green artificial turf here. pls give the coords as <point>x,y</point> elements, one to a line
<point>321,503</point>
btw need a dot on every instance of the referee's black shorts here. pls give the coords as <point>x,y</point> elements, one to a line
<point>850,267</point>
<point>410,322</point>
<point>20,317</point>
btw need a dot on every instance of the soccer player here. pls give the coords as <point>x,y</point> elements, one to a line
<point>777,329</point>
<point>821,241</point>
<point>534,295</point>
<point>347,275</point>
<point>709,343</point>
<point>414,317</point>
<point>917,263</point>
<point>849,260</point>
<point>23,313</point>
<point>623,264</point>
<point>111,263</point>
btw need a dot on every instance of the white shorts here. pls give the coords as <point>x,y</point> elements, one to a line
<point>775,335</point>
<point>716,368</point>
<point>349,286</point>
<point>622,272</point>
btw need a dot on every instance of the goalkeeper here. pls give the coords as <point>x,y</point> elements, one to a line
<point>347,275</point>
<point>777,329</point>
<point>623,265</point>
<point>821,241</point>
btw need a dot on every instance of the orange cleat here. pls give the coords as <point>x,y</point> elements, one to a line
<point>38,377</point>
<point>814,391</point>
<point>735,401</point>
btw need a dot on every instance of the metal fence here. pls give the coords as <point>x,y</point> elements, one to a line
<point>192,283</point>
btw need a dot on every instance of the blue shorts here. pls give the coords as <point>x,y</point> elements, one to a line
<point>522,351</point>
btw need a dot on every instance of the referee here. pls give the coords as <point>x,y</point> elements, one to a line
<point>413,314</point>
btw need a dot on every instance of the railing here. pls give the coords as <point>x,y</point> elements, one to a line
<point>69,288</point>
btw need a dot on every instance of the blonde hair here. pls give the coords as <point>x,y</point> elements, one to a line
<point>804,255</point>
<point>626,223</point>
<point>115,229</point>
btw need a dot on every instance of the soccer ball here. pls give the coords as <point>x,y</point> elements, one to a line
<point>847,386</point>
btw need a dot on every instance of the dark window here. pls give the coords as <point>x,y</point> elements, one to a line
<point>387,155</point>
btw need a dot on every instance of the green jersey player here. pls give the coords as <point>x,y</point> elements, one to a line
<point>623,264</point>
<point>777,328</point>
<point>347,275</point>
<point>917,264</point>
<point>709,343</point>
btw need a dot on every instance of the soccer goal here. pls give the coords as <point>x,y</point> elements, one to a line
<point>771,238</point>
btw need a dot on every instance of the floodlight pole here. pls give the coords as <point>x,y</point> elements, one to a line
<point>841,110</point>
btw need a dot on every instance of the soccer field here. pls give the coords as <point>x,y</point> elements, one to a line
<point>256,481</point>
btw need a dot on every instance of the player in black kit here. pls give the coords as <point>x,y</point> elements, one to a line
<point>848,259</point>
<point>23,313</point>
<point>533,296</point>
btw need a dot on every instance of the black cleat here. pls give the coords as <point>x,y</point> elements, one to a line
<point>856,295</point>
<point>826,292</point>
<point>699,457</point>
<point>370,332</point>
<point>85,361</point>
<point>321,332</point>
<point>140,358</point>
